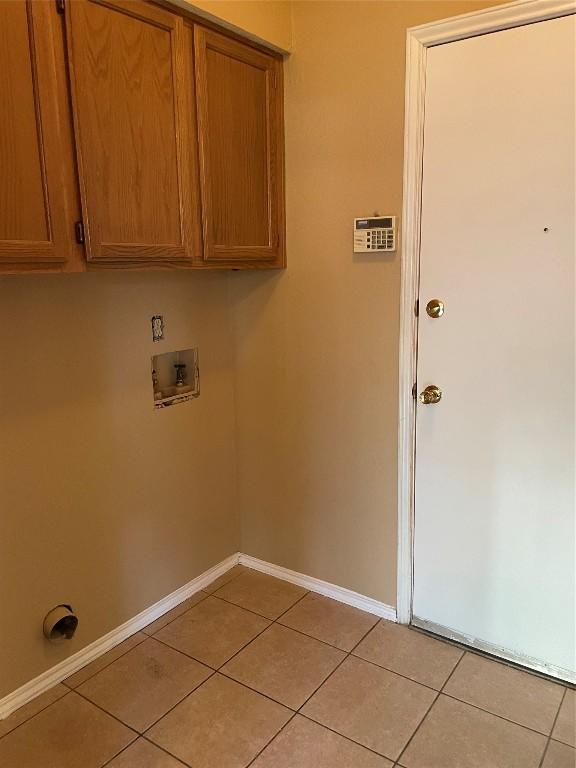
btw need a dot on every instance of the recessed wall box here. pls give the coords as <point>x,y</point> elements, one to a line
<point>374,234</point>
<point>175,377</point>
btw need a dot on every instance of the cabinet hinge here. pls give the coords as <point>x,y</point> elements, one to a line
<point>60,6</point>
<point>79,230</point>
<point>417,307</point>
<point>414,390</point>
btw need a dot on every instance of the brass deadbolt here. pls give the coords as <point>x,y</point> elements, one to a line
<point>435,308</point>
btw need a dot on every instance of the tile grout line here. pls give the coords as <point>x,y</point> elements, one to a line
<point>135,730</point>
<point>132,743</point>
<point>166,751</point>
<point>541,763</point>
<point>294,629</point>
<point>430,708</point>
<point>203,597</point>
<point>424,716</point>
<point>196,687</point>
<point>343,736</point>
<point>255,613</point>
<point>547,746</point>
<point>400,674</point>
<point>73,688</point>
<point>457,646</point>
<point>255,690</point>
<point>153,744</point>
<point>347,656</point>
<point>128,727</point>
<point>217,671</point>
<point>286,724</point>
<point>488,712</point>
<point>451,696</point>
<point>272,621</point>
<point>27,719</point>
<point>141,734</point>
<point>298,711</point>
<point>185,653</point>
<point>261,616</point>
<point>325,642</point>
<point>348,653</point>
<point>109,760</point>
<point>455,698</point>
<point>115,717</point>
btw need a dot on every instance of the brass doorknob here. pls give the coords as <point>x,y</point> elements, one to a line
<point>435,308</point>
<point>431,395</point>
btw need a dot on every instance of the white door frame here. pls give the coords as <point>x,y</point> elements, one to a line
<point>418,40</point>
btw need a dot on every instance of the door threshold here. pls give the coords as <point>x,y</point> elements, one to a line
<point>495,652</point>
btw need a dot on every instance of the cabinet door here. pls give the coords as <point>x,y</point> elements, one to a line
<point>132,92</point>
<point>36,225</point>
<point>239,106</point>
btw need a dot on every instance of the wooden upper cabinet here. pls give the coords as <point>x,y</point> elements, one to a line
<point>36,183</point>
<point>240,133</point>
<point>151,140</point>
<point>132,96</point>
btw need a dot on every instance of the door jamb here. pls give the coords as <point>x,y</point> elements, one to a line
<point>418,40</point>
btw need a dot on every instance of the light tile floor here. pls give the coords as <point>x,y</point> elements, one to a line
<point>257,672</point>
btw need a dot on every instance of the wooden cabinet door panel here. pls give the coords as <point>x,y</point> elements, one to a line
<point>239,106</point>
<point>131,98</point>
<point>36,229</point>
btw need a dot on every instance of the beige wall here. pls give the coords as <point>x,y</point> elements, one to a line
<point>106,503</point>
<point>317,347</point>
<point>109,505</point>
<point>269,21</point>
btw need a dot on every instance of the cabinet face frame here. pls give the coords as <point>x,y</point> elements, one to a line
<point>272,254</point>
<point>141,254</point>
<point>58,251</point>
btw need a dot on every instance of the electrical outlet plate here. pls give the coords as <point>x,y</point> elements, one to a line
<point>157,327</point>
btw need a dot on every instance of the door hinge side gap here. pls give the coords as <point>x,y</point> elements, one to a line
<point>60,6</point>
<point>417,307</point>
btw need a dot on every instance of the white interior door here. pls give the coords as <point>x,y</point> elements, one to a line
<point>494,526</point>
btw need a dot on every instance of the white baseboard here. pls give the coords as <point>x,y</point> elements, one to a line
<point>72,664</point>
<point>340,594</point>
<point>65,668</point>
